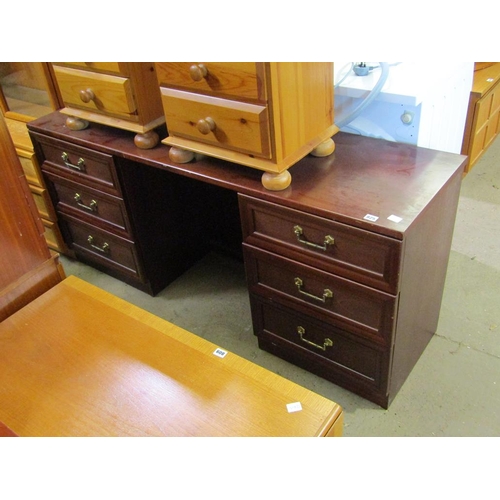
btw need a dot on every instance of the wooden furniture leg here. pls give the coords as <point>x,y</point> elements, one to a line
<point>147,140</point>
<point>325,148</point>
<point>74,123</point>
<point>276,182</point>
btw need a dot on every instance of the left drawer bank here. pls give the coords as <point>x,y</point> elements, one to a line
<point>115,215</point>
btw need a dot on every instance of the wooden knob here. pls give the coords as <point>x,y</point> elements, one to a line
<point>198,72</point>
<point>86,95</point>
<point>205,126</point>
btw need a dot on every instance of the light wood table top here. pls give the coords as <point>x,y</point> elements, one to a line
<point>79,361</point>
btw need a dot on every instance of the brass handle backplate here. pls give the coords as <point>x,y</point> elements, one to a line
<point>92,207</point>
<point>327,343</point>
<point>327,293</point>
<point>299,232</point>
<point>80,166</point>
<point>103,249</point>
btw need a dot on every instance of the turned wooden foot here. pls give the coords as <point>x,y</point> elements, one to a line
<point>74,123</point>
<point>276,182</point>
<point>179,155</point>
<point>325,148</point>
<point>147,140</point>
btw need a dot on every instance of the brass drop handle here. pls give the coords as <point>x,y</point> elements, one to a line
<point>103,249</point>
<point>79,166</point>
<point>198,72</point>
<point>327,293</point>
<point>327,343</point>
<point>87,95</point>
<point>92,207</point>
<point>329,240</point>
<point>205,126</point>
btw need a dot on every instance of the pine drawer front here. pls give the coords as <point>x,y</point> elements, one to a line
<point>102,247</point>
<point>356,308</point>
<point>106,67</point>
<point>53,236</point>
<point>30,168</point>
<point>80,164</point>
<point>353,253</point>
<point>87,203</point>
<point>245,80</point>
<point>346,357</point>
<point>112,94</point>
<point>234,125</point>
<point>43,203</point>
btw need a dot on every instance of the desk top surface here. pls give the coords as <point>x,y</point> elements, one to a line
<point>393,182</point>
<point>79,361</point>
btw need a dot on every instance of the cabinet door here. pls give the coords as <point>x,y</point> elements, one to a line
<point>27,90</point>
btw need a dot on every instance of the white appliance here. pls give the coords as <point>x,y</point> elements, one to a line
<point>416,103</point>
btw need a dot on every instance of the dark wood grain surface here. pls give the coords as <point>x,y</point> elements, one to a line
<point>362,177</point>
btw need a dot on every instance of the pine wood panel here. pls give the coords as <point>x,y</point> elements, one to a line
<point>302,103</point>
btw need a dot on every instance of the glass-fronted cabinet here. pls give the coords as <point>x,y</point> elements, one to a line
<point>27,90</point>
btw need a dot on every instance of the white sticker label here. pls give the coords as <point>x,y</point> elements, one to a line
<point>220,352</point>
<point>373,218</point>
<point>293,407</point>
<point>394,218</point>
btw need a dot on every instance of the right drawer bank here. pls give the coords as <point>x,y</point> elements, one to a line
<point>352,305</point>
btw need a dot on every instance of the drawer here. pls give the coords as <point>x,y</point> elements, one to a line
<point>79,164</point>
<point>105,67</point>
<point>233,125</point>
<point>30,168</point>
<point>337,248</point>
<point>357,308</point>
<point>310,338</point>
<point>43,203</point>
<point>81,201</point>
<point>101,247</point>
<point>245,80</point>
<point>97,92</point>
<point>53,236</point>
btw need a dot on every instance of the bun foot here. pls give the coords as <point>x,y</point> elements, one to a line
<point>74,123</point>
<point>325,148</point>
<point>179,155</point>
<point>148,140</point>
<point>276,182</point>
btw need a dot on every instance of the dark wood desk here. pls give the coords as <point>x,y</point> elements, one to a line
<point>345,267</point>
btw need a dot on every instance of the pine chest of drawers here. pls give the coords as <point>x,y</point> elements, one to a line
<point>345,267</point>
<point>118,94</point>
<point>262,115</point>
